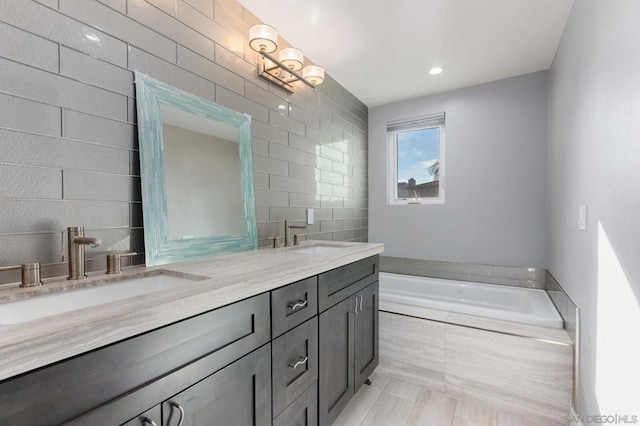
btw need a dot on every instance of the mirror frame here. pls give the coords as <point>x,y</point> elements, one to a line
<point>151,94</point>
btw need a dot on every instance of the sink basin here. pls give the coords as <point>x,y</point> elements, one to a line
<point>319,249</point>
<point>70,300</point>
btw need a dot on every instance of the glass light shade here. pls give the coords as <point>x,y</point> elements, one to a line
<point>292,58</point>
<point>263,37</point>
<point>313,74</point>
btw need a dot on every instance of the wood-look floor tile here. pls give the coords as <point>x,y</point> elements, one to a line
<point>460,421</point>
<point>379,379</point>
<point>474,413</point>
<point>388,410</point>
<point>403,389</point>
<point>432,408</point>
<point>509,419</point>
<point>412,349</point>
<point>360,405</point>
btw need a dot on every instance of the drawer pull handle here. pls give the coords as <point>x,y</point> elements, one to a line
<point>298,304</point>
<point>148,421</point>
<point>301,361</point>
<point>181,410</point>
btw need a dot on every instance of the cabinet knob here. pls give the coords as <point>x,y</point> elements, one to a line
<point>298,304</point>
<point>301,361</point>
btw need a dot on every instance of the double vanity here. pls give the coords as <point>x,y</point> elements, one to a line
<point>271,336</point>
<point>276,336</point>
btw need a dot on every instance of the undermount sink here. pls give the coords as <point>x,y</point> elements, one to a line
<point>70,300</point>
<point>317,249</point>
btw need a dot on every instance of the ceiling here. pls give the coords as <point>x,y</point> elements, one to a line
<point>382,50</point>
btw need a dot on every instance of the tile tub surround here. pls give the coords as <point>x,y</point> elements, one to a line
<point>68,133</point>
<point>568,310</point>
<point>33,344</point>
<point>571,315</point>
<point>530,277</point>
<point>530,377</point>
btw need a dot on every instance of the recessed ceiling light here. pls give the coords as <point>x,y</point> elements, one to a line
<point>435,70</point>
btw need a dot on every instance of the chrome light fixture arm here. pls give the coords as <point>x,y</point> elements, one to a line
<point>277,65</point>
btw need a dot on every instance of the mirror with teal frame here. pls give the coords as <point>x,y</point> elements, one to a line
<point>197,175</point>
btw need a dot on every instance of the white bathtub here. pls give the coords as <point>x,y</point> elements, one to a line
<point>522,305</point>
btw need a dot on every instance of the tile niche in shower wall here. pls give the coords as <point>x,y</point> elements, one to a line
<point>68,139</point>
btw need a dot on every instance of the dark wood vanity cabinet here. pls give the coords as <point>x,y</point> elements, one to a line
<point>293,356</point>
<point>348,335</point>
<point>238,395</point>
<point>114,384</point>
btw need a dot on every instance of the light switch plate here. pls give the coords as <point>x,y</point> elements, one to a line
<point>582,217</point>
<point>309,216</point>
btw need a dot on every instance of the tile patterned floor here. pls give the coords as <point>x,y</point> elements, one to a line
<point>390,401</point>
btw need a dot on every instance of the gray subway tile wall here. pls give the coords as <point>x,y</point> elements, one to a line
<point>529,277</point>
<point>68,139</point>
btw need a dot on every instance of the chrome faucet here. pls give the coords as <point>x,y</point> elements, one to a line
<point>287,232</point>
<point>77,241</point>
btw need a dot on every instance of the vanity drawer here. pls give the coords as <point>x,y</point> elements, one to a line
<point>293,304</point>
<point>302,411</point>
<point>294,363</point>
<point>153,415</point>
<point>336,285</point>
<point>65,390</point>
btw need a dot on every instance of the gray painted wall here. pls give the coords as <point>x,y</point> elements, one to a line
<point>495,210</point>
<point>594,148</point>
<point>68,148</point>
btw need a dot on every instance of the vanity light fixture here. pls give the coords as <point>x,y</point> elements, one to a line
<point>282,70</point>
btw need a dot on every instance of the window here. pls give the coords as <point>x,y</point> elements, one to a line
<point>416,160</point>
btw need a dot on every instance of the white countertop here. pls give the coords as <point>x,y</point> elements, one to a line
<point>229,278</point>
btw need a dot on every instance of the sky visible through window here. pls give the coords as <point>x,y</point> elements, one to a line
<point>417,151</point>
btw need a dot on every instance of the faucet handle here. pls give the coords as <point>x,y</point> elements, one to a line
<point>114,265</point>
<point>297,238</point>
<point>30,273</point>
<point>276,241</point>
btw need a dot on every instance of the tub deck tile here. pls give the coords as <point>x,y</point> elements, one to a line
<point>415,311</point>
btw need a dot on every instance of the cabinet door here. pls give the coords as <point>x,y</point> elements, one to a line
<point>302,411</point>
<point>237,395</point>
<point>366,334</point>
<point>336,328</point>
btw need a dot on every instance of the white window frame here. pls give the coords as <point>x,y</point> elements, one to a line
<point>412,124</point>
